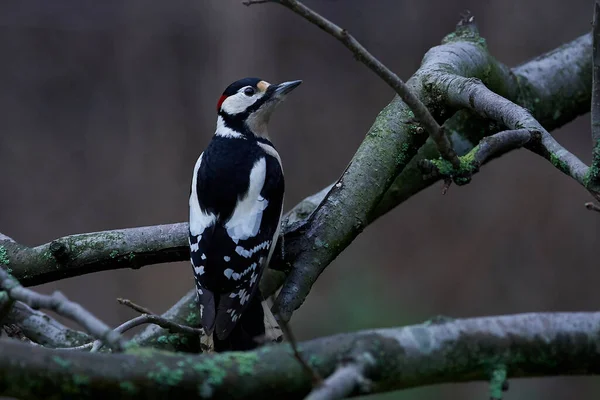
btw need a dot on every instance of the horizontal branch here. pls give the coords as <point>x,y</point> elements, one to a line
<point>545,344</point>
<point>76,255</point>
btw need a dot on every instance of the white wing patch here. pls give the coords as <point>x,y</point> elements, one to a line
<point>199,219</point>
<point>247,215</point>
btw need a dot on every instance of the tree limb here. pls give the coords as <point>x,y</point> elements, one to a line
<point>42,329</point>
<point>554,90</point>
<point>594,178</point>
<point>489,148</point>
<point>347,378</point>
<point>391,143</point>
<point>545,344</point>
<point>58,303</point>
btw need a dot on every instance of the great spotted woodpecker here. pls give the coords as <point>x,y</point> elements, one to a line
<point>236,203</point>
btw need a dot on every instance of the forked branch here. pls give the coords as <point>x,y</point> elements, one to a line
<point>419,109</point>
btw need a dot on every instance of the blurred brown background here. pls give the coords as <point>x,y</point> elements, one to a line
<point>105,106</point>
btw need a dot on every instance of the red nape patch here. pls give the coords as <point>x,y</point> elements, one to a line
<point>221,100</point>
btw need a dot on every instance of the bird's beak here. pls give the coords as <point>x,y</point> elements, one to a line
<point>284,88</point>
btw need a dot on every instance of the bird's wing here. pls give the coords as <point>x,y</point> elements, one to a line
<point>252,232</point>
<point>202,226</point>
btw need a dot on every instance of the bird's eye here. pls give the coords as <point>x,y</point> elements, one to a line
<point>249,91</point>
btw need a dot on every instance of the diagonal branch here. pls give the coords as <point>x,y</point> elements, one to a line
<point>58,303</point>
<point>42,329</point>
<point>594,177</point>
<point>474,95</point>
<point>419,109</point>
<point>451,351</point>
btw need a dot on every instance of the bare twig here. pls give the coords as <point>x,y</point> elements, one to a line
<point>289,335</point>
<point>152,319</point>
<point>141,320</point>
<point>594,174</point>
<point>58,303</point>
<point>420,111</point>
<point>592,206</point>
<point>134,306</point>
<point>348,376</point>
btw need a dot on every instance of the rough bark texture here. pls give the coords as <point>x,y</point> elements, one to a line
<point>393,141</point>
<point>452,351</point>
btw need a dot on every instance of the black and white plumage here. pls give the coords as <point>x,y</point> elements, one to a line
<point>236,203</point>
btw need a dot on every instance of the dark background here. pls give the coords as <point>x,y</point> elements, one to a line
<point>105,106</point>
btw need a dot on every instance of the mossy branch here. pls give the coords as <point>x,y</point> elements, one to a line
<point>593,180</point>
<point>489,148</point>
<point>554,90</point>
<point>545,344</point>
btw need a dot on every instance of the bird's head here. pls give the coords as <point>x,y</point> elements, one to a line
<point>250,102</point>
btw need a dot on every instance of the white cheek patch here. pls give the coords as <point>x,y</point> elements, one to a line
<point>239,102</point>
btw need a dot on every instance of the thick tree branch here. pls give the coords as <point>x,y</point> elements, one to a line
<point>546,344</point>
<point>389,146</point>
<point>75,255</point>
<point>58,303</point>
<point>473,94</point>
<point>594,178</point>
<point>42,329</point>
<point>554,90</point>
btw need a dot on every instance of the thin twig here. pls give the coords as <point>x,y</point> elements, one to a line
<point>141,320</point>
<point>289,335</point>
<point>58,303</point>
<point>594,174</point>
<point>134,306</point>
<point>592,206</point>
<point>419,109</point>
